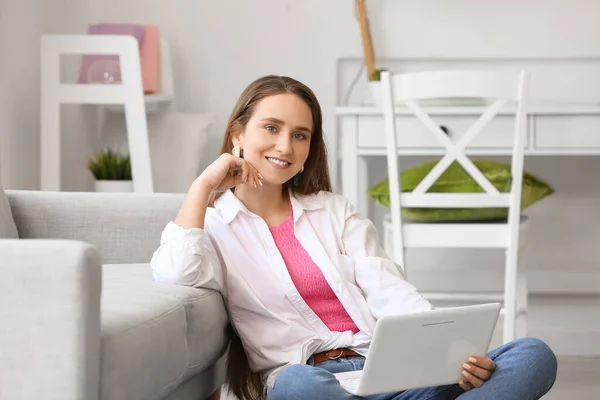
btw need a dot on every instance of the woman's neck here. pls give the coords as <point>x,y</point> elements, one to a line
<point>268,202</point>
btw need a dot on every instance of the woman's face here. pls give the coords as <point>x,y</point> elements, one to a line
<point>276,140</point>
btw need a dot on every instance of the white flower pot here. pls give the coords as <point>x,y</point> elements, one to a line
<point>114,186</point>
<point>375,89</point>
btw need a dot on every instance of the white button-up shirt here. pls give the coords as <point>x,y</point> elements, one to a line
<point>236,255</point>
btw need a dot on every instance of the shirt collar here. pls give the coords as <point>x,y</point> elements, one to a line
<point>229,205</point>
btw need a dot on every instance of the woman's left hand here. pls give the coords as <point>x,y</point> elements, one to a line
<point>476,370</point>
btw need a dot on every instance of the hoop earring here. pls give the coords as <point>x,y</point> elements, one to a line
<point>237,151</point>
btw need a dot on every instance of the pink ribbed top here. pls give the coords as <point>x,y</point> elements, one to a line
<point>309,279</point>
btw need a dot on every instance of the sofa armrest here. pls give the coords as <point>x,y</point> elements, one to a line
<point>50,320</point>
<point>124,227</point>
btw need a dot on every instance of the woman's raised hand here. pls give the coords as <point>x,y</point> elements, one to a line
<point>228,171</point>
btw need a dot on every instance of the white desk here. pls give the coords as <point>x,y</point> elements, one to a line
<point>551,130</point>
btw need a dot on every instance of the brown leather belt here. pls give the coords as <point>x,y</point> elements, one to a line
<point>333,354</point>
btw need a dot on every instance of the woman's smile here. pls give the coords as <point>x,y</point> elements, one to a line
<point>278,163</point>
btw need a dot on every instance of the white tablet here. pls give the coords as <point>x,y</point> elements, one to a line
<point>423,349</point>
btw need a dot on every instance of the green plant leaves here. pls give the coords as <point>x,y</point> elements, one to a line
<point>111,166</point>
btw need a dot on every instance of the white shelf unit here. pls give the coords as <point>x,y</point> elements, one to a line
<point>127,96</point>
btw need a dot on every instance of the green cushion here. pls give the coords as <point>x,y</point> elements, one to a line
<point>456,180</point>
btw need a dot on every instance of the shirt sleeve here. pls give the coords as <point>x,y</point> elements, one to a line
<point>187,257</point>
<point>386,290</point>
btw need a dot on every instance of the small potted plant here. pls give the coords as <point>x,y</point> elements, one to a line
<point>373,73</point>
<point>112,171</point>
<point>375,85</point>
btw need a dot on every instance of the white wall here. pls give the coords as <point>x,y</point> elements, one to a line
<point>18,92</point>
<point>218,47</point>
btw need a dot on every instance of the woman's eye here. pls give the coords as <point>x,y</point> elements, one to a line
<point>299,136</point>
<point>271,128</point>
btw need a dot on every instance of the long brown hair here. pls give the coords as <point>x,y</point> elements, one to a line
<point>241,380</point>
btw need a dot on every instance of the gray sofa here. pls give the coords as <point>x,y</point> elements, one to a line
<point>80,315</point>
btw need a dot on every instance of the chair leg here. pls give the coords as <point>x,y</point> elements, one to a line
<point>510,288</point>
<point>522,299</point>
<point>521,321</point>
<point>392,248</point>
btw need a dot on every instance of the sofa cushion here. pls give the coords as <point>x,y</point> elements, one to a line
<point>155,335</point>
<point>8,229</point>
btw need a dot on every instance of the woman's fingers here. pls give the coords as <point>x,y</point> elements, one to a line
<point>234,165</point>
<point>466,386</point>
<point>483,362</point>
<point>239,170</point>
<point>244,172</point>
<point>478,372</point>
<point>254,177</point>
<point>257,176</point>
<point>472,379</point>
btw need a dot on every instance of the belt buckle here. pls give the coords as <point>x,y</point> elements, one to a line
<point>335,357</point>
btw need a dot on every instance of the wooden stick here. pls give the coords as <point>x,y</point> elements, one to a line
<point>366,37</point>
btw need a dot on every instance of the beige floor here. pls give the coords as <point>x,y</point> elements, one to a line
<point>578,378</point>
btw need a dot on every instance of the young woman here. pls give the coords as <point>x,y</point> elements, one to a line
<point>302,273</point>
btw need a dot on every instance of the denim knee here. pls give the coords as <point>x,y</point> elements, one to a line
<point>294,381</point>
<point>541,356</point>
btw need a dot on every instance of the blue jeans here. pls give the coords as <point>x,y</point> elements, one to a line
<point>525,369</point>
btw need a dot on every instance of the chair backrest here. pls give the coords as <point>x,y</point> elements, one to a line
<point>497,88</point>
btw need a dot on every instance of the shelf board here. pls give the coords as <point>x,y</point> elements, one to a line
<point>157,98</point>
<point>153,103</point>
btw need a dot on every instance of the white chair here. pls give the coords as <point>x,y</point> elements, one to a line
<point>498,88</point>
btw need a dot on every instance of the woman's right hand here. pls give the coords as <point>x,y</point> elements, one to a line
<point>228,171</point>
